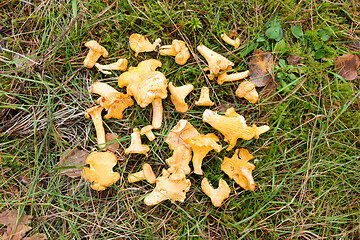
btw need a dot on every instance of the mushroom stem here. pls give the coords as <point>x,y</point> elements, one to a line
<point>95,114</point>
<point>250,180</point>
<point>157,113</point>
<point>91,58</point>
<point>145,174</point>
<point>223,77</point>
<point>198,156</point>
<point>120,64</point>
<point>228,40</point>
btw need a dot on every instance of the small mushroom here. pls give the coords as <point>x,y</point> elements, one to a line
<point>96,50</point>
<point>100,174</point>
<point>148,133</point>
<point>216,62</point>
<point>178,95</point>
<point>177,49</point>
<point>166,188</point>
<point>201,145</point>
<point>120,65</point>
<point>113,101</point>
<point>228,40</point>
<point>140,43</point>
<point>204,99</point>
<point>232,126</point>
<point>248,91</point>
<point>136,146</point>
<point>223,77</point>
<point>239,168</point>
<point>145,174</point>
<point>218,195</point>
<point>179,133</point>
<point>95,114</point>
<point>179,162</point>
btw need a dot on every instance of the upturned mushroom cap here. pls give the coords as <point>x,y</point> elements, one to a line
<point>179,133</point>
<point>216,62</point>
<point>232,126</point>
<point>204,99</point>
<point>96,50</point>
<point>120,65</point>
<point>178,95</point>
<point>100,174</point>
<point>201,145</point>
<point>248,91</point>
<point>113,101</point>
<point>179,162</point>
<point>217,195</point>
<point>140,43</point>
<point>174,190</point>
<point>136,146</point>
<point>177,49</point>
<point>239,169</point>
<point>145,174</point>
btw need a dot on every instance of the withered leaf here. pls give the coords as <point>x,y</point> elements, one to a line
<point>109,137</point>
<point>71,162</point>
<point>36,236</point>
<point>293,59</point>
<point>261,66</point>
<point>17,226</point>
<point>346,66</point>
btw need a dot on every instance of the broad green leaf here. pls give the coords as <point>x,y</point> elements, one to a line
<point>296,31</point>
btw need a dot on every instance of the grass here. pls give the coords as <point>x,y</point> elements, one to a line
<point>307,178</point>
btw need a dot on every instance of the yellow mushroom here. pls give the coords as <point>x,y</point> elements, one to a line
<point>179,133</point>
<point>179,162</point>
<point>232,126</point>
<point>140,43</point>
<point>166,188</point>
<point>239,168</point>
<point>95,52</point>
<point>178,95</point>
<point>145,174</point>
<point>177,49</point>
<point>120,65</point>
<point>228,40</point>
<point>100,174</point>
<point>248,91</point>
<point>113,101</point>
<point>136,146</point>
<point>201,146</point>
<point>95,114</point>
<point>147,132</point>
<point>223,77</point>
<point>218,195</point>
<point>204,99</point>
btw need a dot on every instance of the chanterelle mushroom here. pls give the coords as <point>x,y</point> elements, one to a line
<point>148,133</point>
<point>179,162</point>
<point>240,169</point>
<point>147,86</point>
<point>201,145</point>
<point>177,49</point>
<point>95,114</point>
<point>204,99</point>
<point>223,77</point>
<point>179,133</point>
<point>178,95</point>
<point>175,190</point>
<point>120,64</point>
<point>113,101</point>
<point>218,195</point>
<point>140,43</point>
<point>96,50</point>
<point>232,126</point>
<point>228,40</point>
<point>145,174</point>
<point>216,62</point>
<point>136,146</point>
<point>100,174</point>
<point>248,91</point>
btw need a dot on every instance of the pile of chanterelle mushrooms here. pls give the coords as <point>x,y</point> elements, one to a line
<point>147,85</point>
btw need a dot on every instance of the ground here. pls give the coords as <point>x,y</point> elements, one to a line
<point>306,175</point>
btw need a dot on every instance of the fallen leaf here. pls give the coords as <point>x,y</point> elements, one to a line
<point>36,236</point>
<point>109,137</point>
<point>293,59</point>
<point>261,67</point>
<point>346,66</point>
<point>71,162</point>
<point>17,226</point>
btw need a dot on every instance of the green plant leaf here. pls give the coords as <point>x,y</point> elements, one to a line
<point>274,32</point>
<point>324,34</point>
<point>296,31</point>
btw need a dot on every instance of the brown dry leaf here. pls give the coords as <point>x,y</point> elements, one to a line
<point>293,59</point>
<point>36,236</point>
<point>109,137</point>
<point>346,66</point>
<point>17,226</point>
<point>261,67</point>
<point>75,160</point>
